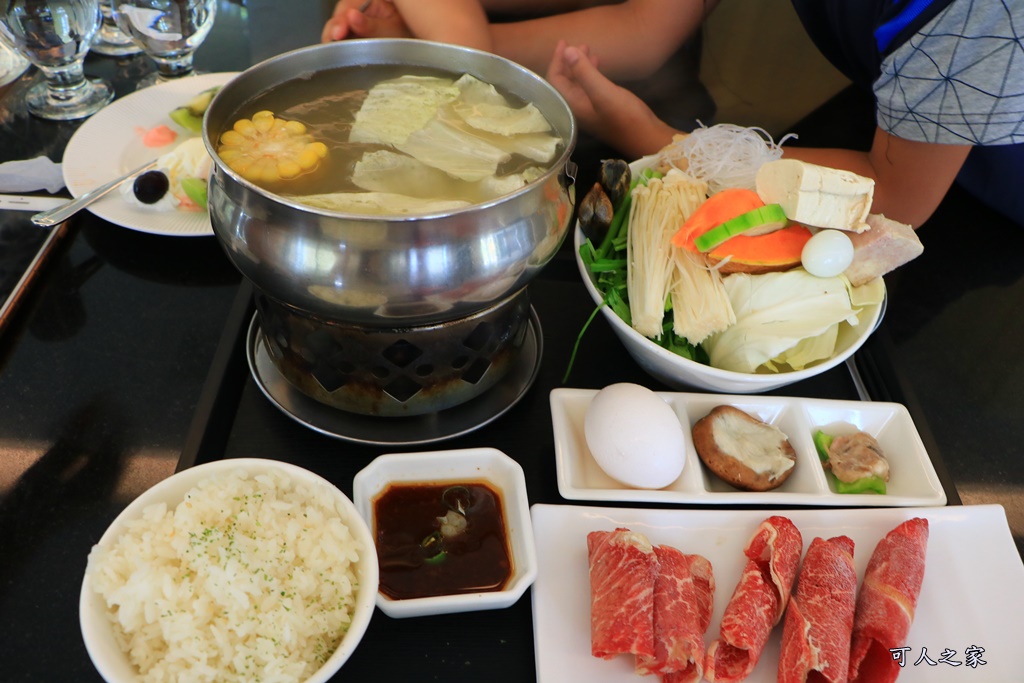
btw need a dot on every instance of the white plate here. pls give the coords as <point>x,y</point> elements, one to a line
<point>972,593</point>
<point>912,478</point>
<point>108,145</point>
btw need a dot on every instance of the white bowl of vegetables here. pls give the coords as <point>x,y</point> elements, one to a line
<point>785,326</point>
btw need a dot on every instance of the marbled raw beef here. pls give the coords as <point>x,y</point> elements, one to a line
<point>623,569</point>
<point>819,620</point>
<point>683,602</point>
<point>757,604</point>
<point>886,603</point>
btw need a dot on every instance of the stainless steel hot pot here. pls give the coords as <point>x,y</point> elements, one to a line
<point>414,274</point>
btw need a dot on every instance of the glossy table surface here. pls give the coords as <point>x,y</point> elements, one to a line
<point>126,360</point>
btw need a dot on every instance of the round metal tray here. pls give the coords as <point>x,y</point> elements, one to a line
<point>397,431</point>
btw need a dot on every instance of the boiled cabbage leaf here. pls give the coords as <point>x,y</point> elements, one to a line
<point>387,171</point>
<point>775,312</point>
<point>482,107</point>
<point>539,147</point>
<point>454,151</point>
<point>500,185</point>
<point>395,108</point>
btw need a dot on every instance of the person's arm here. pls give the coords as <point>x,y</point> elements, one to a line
<point>606,110</point>
<point>538,7</point>
<point>361,19</point>
<point>911,178</point>
<point>631,38</point>
<point>460,22</point>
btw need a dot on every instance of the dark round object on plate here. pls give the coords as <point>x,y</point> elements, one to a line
<point>151,186</point>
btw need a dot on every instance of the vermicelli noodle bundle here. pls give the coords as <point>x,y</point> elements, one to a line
<point>723,155</point>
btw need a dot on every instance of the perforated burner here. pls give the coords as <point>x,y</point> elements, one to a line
<point>394,372</point>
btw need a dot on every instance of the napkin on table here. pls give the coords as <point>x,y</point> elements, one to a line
<point>29,175</point>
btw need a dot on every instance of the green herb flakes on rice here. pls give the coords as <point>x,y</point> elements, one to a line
<point>249,578</point>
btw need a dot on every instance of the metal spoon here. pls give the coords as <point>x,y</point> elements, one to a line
<point>62,213</point>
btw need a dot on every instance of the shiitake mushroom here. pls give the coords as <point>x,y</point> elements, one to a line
<point>595,213</point>
<point>615,178</point>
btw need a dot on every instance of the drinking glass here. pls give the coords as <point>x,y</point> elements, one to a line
<point>168,31</point>
<point>111,40</point>
<point>12,64</point>
<point>55,36</point>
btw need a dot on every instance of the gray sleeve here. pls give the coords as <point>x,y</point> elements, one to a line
<point>960,80</point>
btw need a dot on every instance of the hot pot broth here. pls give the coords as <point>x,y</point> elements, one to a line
<point>448,162</point>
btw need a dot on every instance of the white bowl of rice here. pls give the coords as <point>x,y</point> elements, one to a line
<point>236,570</point>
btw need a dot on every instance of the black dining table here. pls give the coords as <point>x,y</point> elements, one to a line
<point>125,360</point>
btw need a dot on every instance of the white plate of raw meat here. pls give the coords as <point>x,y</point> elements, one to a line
<point>912,479</point>
<point>972,596</point>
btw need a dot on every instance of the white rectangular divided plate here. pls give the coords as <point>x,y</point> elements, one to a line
<point>912,478</point>
<point>972,595</point>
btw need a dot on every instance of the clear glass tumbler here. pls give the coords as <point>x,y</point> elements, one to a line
<point>168,31</point>
<point>111,40</point>
<point>12,64</point>
<point>55,36</point>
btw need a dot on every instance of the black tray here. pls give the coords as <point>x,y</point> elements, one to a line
<point>235,419</point>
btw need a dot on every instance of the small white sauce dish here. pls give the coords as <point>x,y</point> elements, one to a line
<point>98,631</point>
<point>489,465</point>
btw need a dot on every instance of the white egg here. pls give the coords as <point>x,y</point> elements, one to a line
<point>827,254</point>
<point>634,436</point>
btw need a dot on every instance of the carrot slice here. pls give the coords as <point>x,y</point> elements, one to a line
<point>779,248</point>
<point>719,208</point>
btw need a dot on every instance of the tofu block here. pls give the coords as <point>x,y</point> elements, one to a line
<point>817,195</point>
<point>886,246</point>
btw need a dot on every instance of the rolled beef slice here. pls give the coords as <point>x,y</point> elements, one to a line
<point>819,619</point>
<point>623,569</point>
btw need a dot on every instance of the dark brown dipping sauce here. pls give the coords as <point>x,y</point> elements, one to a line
<point>417,561</point>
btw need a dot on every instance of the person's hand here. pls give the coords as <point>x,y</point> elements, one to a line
<point>602,108</point>
<point>362,19</point>
<point>562,75</point>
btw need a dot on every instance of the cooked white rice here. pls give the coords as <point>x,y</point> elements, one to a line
<point>250,578</point>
